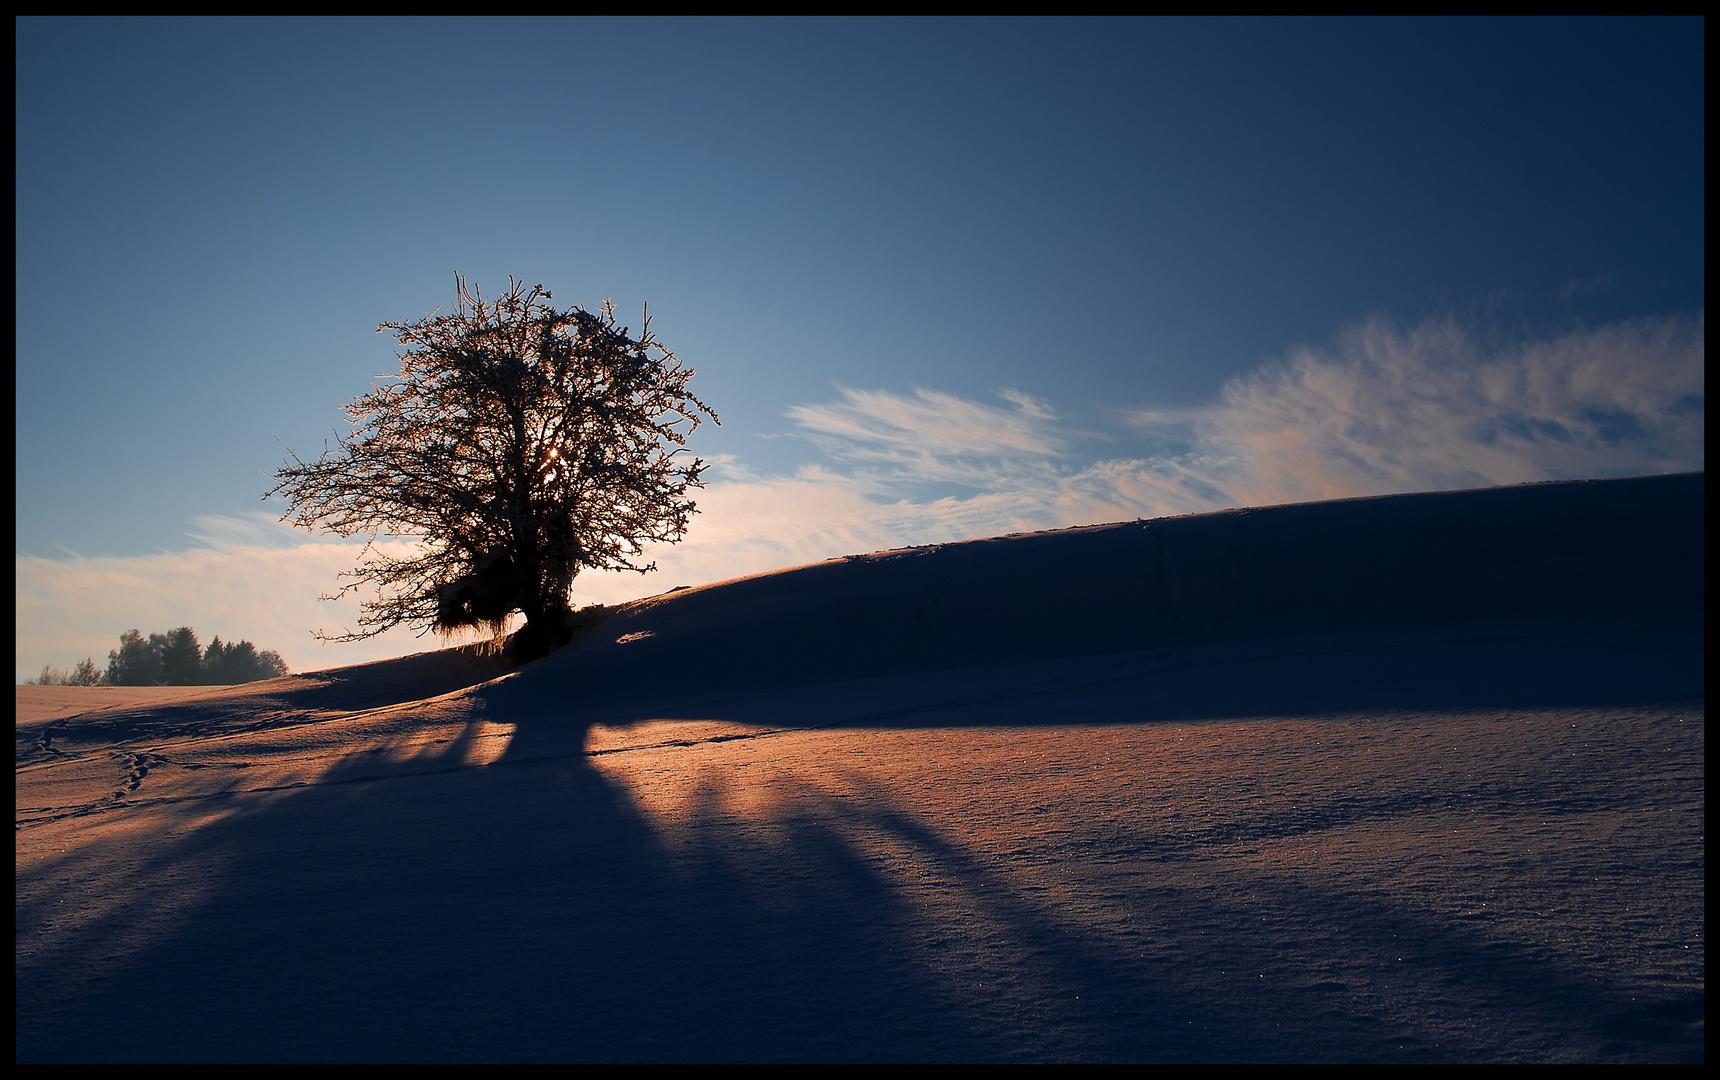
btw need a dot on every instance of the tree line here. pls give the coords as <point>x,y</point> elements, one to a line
<point>171,659</point>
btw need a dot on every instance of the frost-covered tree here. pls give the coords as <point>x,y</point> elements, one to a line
<point>519,445</point>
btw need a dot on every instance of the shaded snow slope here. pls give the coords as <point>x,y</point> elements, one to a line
<point>1583,549</point>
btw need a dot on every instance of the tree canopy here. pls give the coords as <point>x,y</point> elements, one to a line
<point>519,445</point>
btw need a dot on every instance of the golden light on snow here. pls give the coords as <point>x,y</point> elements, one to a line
<point>1368,828</point>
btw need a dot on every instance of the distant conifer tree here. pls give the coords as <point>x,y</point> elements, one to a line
<point>215,664</point>
<point>181,658</point>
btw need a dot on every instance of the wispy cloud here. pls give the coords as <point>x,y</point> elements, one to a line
<point>1380,409</point>
<point>1438,406</point>
<point>931,438</point>
<point>257,529</point>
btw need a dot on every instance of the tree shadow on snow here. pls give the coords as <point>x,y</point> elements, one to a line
<point>417,908</point>
<point>421,909</point>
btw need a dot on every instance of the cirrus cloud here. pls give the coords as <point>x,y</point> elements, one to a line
<point>1438,407</point>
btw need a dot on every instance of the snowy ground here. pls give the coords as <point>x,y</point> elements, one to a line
<point>1473,839</point>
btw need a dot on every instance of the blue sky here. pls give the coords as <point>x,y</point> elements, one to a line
<point>938,278</point>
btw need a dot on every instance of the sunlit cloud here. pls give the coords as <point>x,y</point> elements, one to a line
<point>1381,409</point>
<point>1438,407</point>
<point>264,591</point>
<point>929,437</point>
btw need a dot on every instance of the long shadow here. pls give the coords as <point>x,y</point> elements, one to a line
<point>420,909</point>
<point>1656,658</point>
<point>527,910</point>
<point>1125,1011</point>
<point>519,911</point>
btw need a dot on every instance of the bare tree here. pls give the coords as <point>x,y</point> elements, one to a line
<point>86,674</point>
<point>518,445</point>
